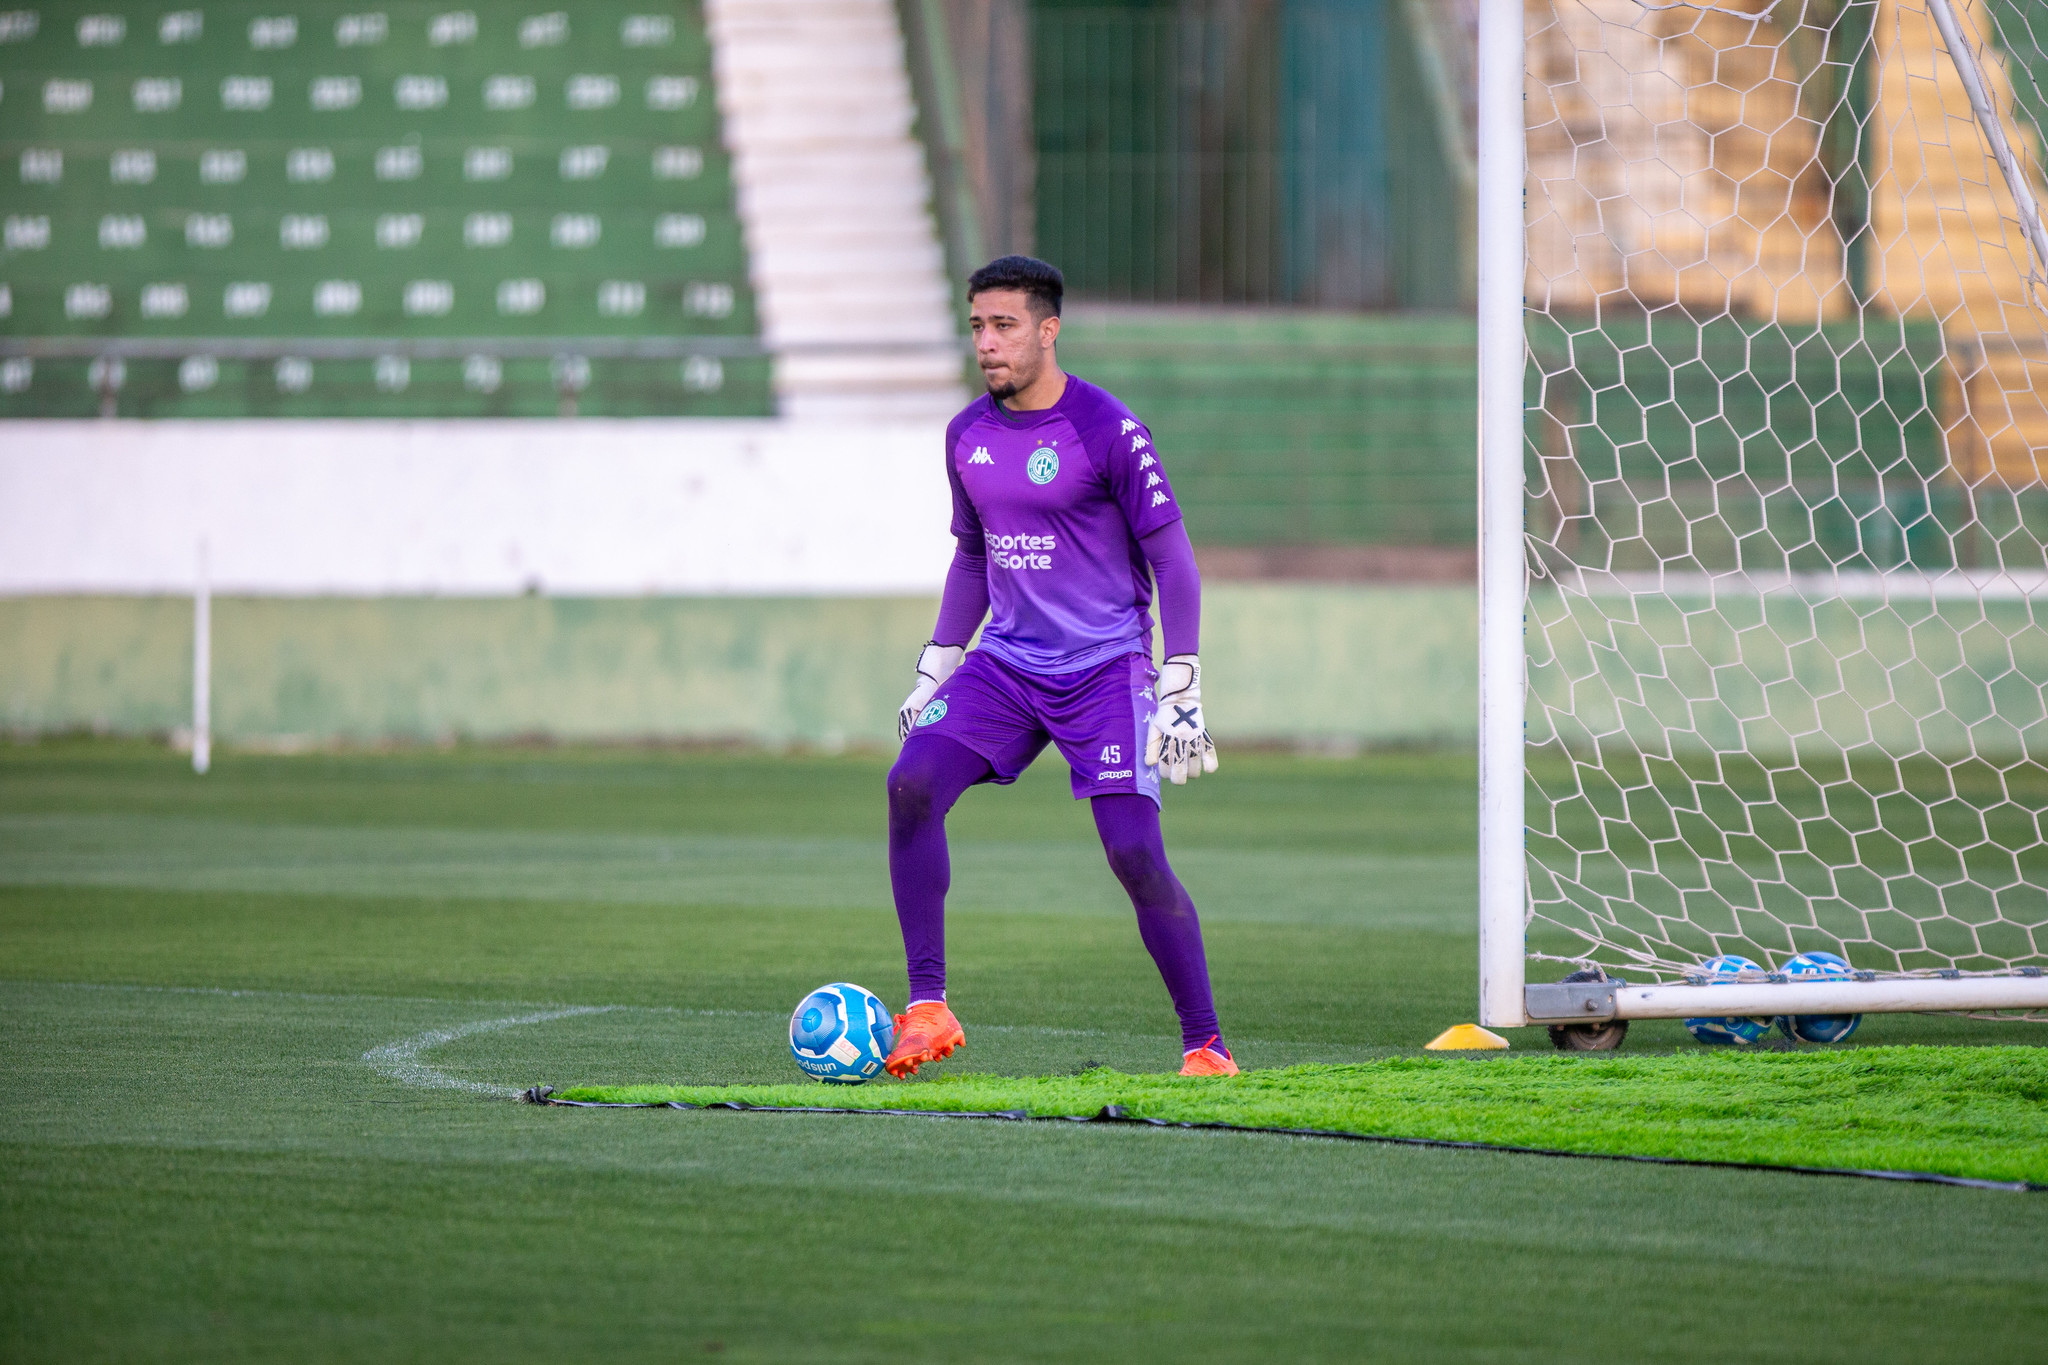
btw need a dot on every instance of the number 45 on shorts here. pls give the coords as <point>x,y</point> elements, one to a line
<point>1112,754</point>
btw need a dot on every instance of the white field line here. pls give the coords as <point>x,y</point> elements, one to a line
<point>400,1061</point>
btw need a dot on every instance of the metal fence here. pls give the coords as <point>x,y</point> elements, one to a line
<point>1253,151</point>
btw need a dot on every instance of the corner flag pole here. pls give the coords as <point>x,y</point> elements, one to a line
<point>1502,577</point>
<point>202,668</point>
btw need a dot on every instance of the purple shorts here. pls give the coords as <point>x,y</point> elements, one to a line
<point>1097,717</point>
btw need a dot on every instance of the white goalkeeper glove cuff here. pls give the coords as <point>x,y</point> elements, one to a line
<point>934,666</point>
<point>1177,739</point>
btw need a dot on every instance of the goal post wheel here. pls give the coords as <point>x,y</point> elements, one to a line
<point>1604,1035</point>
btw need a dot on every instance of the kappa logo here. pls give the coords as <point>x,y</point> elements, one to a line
<point>1158,499</point>
<point>1138,441</point>
<point>1044,465</point>
<point>981,456</point>
<point>1152,480</point>
<point>1147,462</point>
<point>1113,776</point>
<point>1129,427</point>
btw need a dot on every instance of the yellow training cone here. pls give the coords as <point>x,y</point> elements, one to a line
<point>1466,1038</point>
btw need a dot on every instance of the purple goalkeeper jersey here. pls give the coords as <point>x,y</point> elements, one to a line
<point>1059,498</point>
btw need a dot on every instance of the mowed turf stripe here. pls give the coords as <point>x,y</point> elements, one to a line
<point>1112,1113</point>
<point>183,854</point>
<point>204,1174</point>
<point>1343,987</point>
<point>1977,1114</point>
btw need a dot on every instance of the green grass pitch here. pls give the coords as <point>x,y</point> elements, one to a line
<point>259,1031</point>
<point>1977,1113</point>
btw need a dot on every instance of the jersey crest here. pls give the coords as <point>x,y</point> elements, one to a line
<point>1057,501</point>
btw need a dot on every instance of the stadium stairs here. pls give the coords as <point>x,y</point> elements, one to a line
<point>834,198</point>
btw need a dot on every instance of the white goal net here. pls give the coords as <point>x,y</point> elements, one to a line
<point>1786,525</point>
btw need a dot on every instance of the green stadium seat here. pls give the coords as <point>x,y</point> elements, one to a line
<point>335,210</point>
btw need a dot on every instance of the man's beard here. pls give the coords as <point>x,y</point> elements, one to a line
<point>1006,388</point>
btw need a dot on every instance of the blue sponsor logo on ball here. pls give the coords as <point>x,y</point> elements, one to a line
<point>1728,969</point>
<point>1818,1028</point>
<point>1044,465</point>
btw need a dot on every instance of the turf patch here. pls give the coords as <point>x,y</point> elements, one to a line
<point>1975,1113</point>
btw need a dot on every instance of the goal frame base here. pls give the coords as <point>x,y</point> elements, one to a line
<point>1595,1001</point>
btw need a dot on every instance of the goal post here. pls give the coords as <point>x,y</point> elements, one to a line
<point>1763,507</point>
<point>1503,878</point>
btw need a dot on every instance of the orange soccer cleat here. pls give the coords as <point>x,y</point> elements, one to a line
<point>926,1034</point>
<point>1210,1059</point>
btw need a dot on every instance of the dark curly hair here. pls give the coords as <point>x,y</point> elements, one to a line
<point>1041,283</point>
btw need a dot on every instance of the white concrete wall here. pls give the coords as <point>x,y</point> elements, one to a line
<point>573,507</point>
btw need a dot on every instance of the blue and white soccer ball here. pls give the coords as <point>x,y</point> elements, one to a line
<point>1818,1028</point>
<point>1734,1029</point>
<point>841,1033</point>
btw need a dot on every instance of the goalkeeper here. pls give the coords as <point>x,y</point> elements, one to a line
<point>1060,508</point>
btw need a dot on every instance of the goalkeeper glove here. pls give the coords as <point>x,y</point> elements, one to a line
<point>934,666</point>
<point>1177,741</point>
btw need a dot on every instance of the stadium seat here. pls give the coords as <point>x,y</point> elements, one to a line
<point>417,211</point>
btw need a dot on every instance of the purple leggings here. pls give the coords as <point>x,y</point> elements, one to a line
<point>930,776</point>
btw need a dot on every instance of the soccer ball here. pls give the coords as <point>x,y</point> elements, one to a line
<point>1818,1028</point>
<point>1732,1029</point>
<point>841,1034</point>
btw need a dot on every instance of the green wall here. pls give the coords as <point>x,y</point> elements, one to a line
<point>1290,427</point>
<point>1336,664</point>
<point>1301,663</point>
